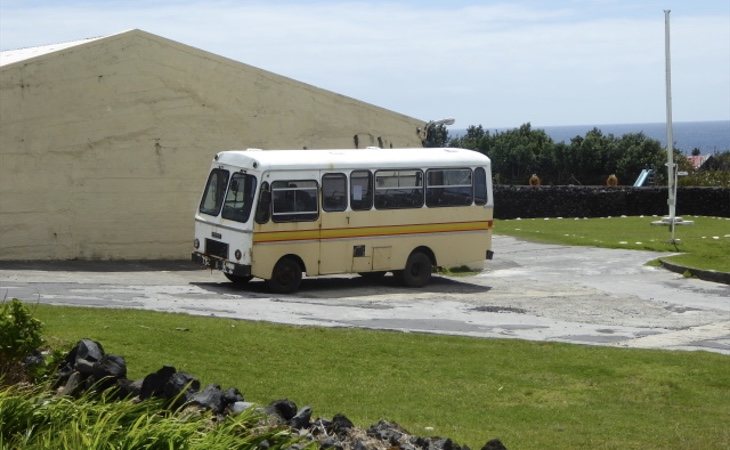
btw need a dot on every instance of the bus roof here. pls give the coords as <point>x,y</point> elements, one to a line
<point>352,158</point>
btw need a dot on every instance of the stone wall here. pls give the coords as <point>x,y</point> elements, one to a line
<point>600,201</point>
<point>87,369</point>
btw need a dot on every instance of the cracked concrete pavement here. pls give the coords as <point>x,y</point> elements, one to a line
<point>531,291</point>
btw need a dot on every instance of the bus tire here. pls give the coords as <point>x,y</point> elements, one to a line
<point>286,276</point>
<point>237,279</point>
<point>417,272</point>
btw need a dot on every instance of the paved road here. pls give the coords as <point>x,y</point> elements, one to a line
<point>530,291</point>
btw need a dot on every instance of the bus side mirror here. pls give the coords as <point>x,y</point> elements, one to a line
<point>264,207</point>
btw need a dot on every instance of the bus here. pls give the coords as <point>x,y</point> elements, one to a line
<point>279,214</point>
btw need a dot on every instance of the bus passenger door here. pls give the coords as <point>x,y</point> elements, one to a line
<point>360,221</point>
<point>335,250</point>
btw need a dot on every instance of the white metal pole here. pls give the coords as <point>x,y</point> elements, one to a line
<point>672,200</point>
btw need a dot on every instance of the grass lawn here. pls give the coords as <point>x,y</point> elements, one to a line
<point>704,245</point>
<point>530,395</point>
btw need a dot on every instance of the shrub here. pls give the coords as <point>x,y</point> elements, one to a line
<point>20,336</point>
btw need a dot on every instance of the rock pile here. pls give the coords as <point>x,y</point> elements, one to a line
<point>87,368</point>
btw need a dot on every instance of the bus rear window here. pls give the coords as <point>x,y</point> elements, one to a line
<point>480,186</point>
<point>239,198</point>
<point>215,189</point>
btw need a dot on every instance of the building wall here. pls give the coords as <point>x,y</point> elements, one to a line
<point>104,147</point>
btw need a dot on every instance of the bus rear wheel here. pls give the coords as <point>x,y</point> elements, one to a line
<point>417,272</point>
<point>286,276</point>
<point>238,280</point>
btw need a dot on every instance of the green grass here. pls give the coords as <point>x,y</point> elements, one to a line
<point>530,395</point>
<point>704,245</point>
<point>459,271</point>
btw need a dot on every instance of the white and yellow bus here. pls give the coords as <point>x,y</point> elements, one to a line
<point>276,214</point>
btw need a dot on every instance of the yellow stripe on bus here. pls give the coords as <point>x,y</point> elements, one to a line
<point>365,232</point>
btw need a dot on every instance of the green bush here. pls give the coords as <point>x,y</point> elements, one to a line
<point>20,336</point>
<point>720,178</point>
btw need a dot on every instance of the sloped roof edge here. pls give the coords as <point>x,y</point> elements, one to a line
<point>10,57</point>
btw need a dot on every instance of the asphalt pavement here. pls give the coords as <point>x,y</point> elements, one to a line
<point>531,291</point>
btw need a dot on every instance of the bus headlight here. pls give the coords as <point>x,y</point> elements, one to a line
<point>238,254</point>
<point>196,244</point>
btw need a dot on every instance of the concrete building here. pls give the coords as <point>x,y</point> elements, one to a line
<point>105,143</point>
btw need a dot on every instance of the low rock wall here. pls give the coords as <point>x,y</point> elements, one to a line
<point>601,201</point>
<point>87,368</point>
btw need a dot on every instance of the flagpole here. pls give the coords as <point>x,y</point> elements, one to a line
<point>671,181</point>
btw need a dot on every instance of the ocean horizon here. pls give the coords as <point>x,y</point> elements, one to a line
<point>708,136</point>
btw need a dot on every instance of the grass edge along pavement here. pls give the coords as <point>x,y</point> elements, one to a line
<point>527,394</point>
<point>707,275</point>
<point>702,250</point>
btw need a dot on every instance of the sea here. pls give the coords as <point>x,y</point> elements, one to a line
<point>710,137</point>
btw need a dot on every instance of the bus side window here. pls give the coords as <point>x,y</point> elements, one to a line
<point>480,186</point>
<point>396,189</point>
<point>334,192</point>
<point>361,190</point>
<point>449,187</point>
<point>263,209</point>
<point>294,201</point>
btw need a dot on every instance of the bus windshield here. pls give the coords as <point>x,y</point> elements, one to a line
<point>239,198</point>
<point>215,188</point>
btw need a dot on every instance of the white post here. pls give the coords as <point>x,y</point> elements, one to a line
<point>672,199</point>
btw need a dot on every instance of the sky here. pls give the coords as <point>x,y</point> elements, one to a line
<point>493,63</point>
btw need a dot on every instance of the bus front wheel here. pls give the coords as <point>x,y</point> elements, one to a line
<point>286,276</point>
<point>417,272</point>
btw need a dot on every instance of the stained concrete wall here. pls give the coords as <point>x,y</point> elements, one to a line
<point>104,147</point>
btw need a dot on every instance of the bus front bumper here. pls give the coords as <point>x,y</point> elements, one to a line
<point>211,262</point>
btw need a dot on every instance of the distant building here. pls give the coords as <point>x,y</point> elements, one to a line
<point>717,161</point>
<point>105,142</point>
<point>697,160</point>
